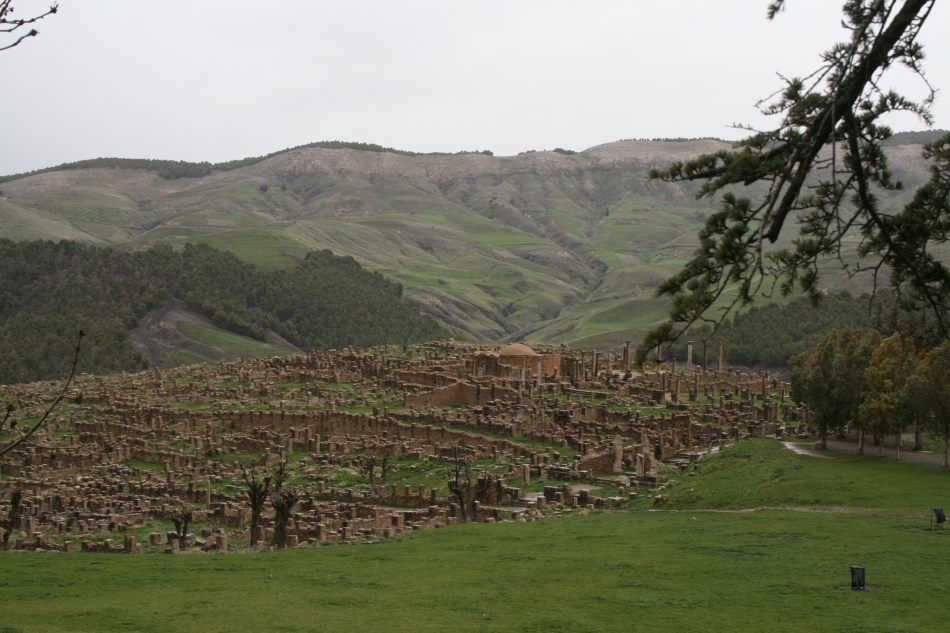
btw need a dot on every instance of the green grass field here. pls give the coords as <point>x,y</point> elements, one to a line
<point>229,343</point>
<point>633,570</point>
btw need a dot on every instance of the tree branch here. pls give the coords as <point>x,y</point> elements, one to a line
<point>40,422</point>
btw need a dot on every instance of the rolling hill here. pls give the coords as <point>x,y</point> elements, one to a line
<point>543,246</point>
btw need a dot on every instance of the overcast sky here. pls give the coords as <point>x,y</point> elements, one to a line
<point>218,80</point>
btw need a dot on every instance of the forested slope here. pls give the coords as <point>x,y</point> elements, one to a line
<point>325,302</point>
<point>769,335</point>
<point>50,290</point>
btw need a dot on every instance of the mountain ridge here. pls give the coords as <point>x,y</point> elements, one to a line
<point>543,246</point>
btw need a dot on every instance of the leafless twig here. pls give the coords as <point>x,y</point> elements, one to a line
<point>11,25</point>
<point>9,447</point>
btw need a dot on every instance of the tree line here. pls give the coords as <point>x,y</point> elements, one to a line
<point>49,290</point>
<point>175,169</point>
<point>880,385</point>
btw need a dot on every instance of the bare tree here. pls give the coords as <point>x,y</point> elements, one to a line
<point>283,500</point>
<point>462,485</point>
<point>13,518</point>
<point>384,464</point>
<point>11,26</point>
<point>377,457</point>
<point>257,491</point>
<point>25,436</point>
<point>181,516</point>
<point>368,466</point>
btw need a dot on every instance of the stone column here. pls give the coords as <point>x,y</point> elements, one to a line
<point>626,356</point>
<point>720,356</point>
<point>618,454</point>
<point>689,356</point>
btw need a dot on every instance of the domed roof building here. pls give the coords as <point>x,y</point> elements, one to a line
<point>517,350</point>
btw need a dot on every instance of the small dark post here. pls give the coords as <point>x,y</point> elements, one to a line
<point>938,514</point>
<point>857,577</point>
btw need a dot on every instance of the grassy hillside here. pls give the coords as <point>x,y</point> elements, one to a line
<point>544,246</point>
<point>228,343</point>
<point>621,571</point>
<point>763,473</point>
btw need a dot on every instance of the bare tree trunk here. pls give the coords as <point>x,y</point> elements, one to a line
<point>283,502</point>
<point>899,446</point>
<point>946,451</point>
<point>13,518</point>
<point>860,443</point>
<point>257,491</point>
<point>824,438</point>
<point>280,535</point>
<point>255,522</point>
<point>918,444</point>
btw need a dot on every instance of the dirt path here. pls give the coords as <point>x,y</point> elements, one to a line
<point>928,458</point>
<point>816,509</point>
<point>799,449</point>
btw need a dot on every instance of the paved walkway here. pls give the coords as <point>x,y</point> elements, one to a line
<point>928,458</point>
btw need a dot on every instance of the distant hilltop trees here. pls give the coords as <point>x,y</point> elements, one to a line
<point>173,170</point>
<point>679,139</point>
<point>557,150</point>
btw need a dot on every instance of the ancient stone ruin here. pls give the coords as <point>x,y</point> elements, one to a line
<point>495,435</point>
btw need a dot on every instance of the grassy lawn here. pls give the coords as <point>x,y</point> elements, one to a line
<point>762,473</point>
<point>775,570</point>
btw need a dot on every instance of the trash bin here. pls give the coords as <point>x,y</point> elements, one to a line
<point>857,577</point>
